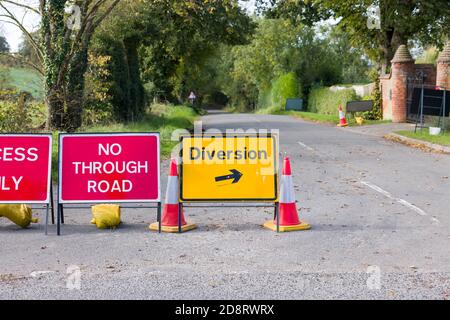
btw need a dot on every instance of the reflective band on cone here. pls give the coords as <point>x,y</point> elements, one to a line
<point>342,120</point>
<point>169,220</point>
<point>288,216</point>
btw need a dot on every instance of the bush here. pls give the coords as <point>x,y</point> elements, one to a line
<point>324,101</point>
<point>377,112</point>
<point>98,107</point>
<point>19,116</point>
<point>286,86</point>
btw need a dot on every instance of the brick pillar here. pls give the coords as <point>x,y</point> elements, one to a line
<point>402,67</point>
<point>443,68</point>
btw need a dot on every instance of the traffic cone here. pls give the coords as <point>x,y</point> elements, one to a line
<point>342,120</point>
<point>169,221</point>
<point>287,211</point>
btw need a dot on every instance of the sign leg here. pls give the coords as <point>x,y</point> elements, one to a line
<point>52,204</point>
<point>277,211</point>
<point>46,218</point>
<point>62,214</point>
<point>159,217</point>
<point>180,208</point>
<point>58,220</point>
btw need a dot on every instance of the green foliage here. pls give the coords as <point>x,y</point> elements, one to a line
<point>98,107</point>
<point>4,46</point>
<point>442,139</point>
<point>427,21</point>
<point>286,86</point>
<point>5,78</point>
<point>376,113</point>
<point>113,79</point>
<point>161,52</point>
<point>21,116</point>
<point>429,55</point>
<point>324,101</point>
<point>280,47</point>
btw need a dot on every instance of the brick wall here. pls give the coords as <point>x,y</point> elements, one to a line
<point>394,87</point>
<point>443,75</point>
<point>400,73</point>
<point>386,96</point>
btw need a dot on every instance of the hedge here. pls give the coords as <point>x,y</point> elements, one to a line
<point>284,87</point>
<point>324,101</point>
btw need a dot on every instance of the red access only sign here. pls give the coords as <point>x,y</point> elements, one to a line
<point>25,168</point>
<point>122,167</point>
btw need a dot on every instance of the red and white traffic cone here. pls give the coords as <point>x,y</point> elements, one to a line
<point>169,220</point>
<point>342,120</point>
<point>288,216</point>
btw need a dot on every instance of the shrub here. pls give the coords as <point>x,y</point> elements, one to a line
<point>21,116</point>
<point>324,101</point>
<point>376,113</point>
<point>98,101</point>
<point>284,87</point>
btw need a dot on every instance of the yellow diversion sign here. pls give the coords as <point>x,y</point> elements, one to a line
<point>229,168</point>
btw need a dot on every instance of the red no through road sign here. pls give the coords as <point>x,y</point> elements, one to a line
<point>121,167</point>
<point>25,168</point>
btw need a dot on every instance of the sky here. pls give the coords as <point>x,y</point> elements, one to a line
<point>31,20</point>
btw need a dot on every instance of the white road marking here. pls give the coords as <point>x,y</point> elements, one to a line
<point>398,200</point>
<point>305,146</point>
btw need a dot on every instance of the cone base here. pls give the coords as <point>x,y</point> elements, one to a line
<point>297,227</point>
<point>172,229</point>
<point>342,125</point>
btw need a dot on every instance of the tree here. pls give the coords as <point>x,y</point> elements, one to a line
<point>164,47</point>
<point>426,21</point>
<point>182,36</point>
<point>27,54</point>
<point>4,46</point>
<point>250,72</point>
<point>62,50</point>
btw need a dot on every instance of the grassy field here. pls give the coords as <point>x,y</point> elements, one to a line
<point>324,118</point>
<point>443,139</point>
<point>165,120</point>
<point>26,80</point>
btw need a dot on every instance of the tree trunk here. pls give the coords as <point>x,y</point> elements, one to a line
<point>75,89</point>
<point>73,119</point>
<point>137,99</point>
<point>55,103</point>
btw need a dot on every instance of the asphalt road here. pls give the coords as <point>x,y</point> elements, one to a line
<point>380,230</point>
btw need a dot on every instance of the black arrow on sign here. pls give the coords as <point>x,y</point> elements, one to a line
<point>236,176</point>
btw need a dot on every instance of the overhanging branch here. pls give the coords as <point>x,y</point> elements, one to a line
<point>21,5</point>
<point>24,61</point>
<point>12,19</point>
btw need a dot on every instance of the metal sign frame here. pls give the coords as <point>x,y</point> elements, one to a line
<point>49,203</point>
<point>275,172</point>
<point>274,203</point>
<point>420,123</point>
<point>359,106</point>
<point>292,101</point>
<point>60,209</point>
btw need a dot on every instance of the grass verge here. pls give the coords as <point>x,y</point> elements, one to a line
<point>27,80</point>
<point>442,139</point>
<point>323,118</point>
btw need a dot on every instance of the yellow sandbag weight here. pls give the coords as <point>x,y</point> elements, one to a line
<point>106,216</point>
<point>20,214</point>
